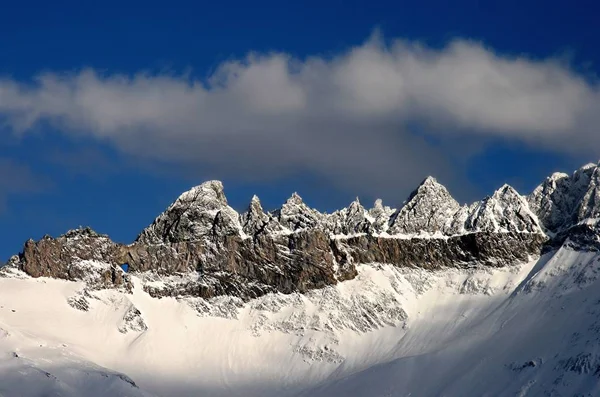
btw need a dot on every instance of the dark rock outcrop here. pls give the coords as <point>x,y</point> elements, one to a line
<point>80,254</point>
<point>488,249</point>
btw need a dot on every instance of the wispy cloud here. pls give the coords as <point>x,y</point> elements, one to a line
<point>347,118</point>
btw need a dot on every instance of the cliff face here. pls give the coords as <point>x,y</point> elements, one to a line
<point>481,248</point>
<point>78,255</point>
<point>205,248</point>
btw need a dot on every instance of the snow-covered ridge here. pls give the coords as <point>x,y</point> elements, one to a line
<point>299,303</point>
<point>563,200</point>
<point>429,212</point>
<point>297,248</point>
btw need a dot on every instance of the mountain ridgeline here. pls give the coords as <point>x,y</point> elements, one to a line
<point>206,249</point>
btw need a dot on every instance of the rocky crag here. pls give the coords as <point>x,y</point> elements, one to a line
<point>201,247</point>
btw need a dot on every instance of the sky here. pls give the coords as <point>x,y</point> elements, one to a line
<point>109,111</point>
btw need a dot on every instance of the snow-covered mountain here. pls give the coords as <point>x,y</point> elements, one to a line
<point>499,297</point>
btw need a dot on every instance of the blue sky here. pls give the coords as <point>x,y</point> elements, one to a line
<point>110,111</point>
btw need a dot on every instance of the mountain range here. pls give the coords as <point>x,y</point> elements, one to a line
<point>497,297</point>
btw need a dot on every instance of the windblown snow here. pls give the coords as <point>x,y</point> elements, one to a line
<point>522,330</point>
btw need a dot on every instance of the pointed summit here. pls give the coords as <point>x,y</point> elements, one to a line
<point>380,216</point>
<point>349,221</point>
<point>355,205</point>
<point>295,214</point>
<point>356,209</point>
<point>429,209</point>
<point>429,185</point>
<point>255,205</point>
<point>192,216</point>
<point>505,211</point>
<point>255,220</point>
<point>506,192</point>
<point>429,181</point>
<point>355,219</point>
<point>295,199</point>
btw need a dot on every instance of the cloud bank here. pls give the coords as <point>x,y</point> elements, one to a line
<point>361,119</point>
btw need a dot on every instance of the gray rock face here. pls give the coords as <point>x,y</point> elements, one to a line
<point>191,216</point>
<point>348,221</point>
<point>589,206</point>
<point>294,214</point>
<point>429,209</point>
<point>380,216</point>
<point>563,201</point>
<point>255,221</point>
<point>204,248</point>
<point>552,201</point>
<point>80,254</point>
<point>132,321</point>
<point>505,211</point>
<point>484,248</point>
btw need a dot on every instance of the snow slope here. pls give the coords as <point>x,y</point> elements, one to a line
<point>541,339</point>
<point>523,330</point>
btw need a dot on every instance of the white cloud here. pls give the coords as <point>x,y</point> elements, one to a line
<point>345,118</point>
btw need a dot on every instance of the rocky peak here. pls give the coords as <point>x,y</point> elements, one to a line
<point>254,212</point>
<point>351,220</point>
<point>357,220</point>
<point>81,232</point>
<point>255,220</point>
<point>80,254</point>
<point>294,214</point>
<point>294,199</point>
<point>429,183</point>
<point>380,216</point>
<point>589,206</point>
<point>192,216</point>
<point>552,201</point>
<point>581,181</point>
<point>428,209</point>
<point>255,203</point>
<point>355,210</point>
<point>209,195</point>
<point>505,211</point>
<point>507,193</point>
<point>562,200</point>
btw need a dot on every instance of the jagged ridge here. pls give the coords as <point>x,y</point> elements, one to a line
<point>208,249</point>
